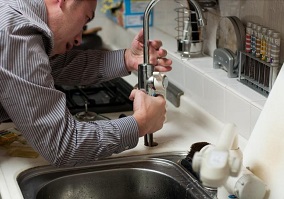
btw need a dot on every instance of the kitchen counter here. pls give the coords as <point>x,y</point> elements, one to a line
<point>226,99</point>
<point>184,126</point>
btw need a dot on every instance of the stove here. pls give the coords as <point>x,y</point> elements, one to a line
<point>107,97</point>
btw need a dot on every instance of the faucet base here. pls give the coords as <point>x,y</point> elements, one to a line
<point>149,141</point>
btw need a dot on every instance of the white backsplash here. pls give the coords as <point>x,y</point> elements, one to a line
<point>267,13</point>
<point>224,104</point>
<point>224,98</point>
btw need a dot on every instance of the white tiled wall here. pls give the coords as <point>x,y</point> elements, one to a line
<point>218,99</point>
<point>267,13</point>
<point>225,98</point>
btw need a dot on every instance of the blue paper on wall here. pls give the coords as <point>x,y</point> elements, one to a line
<point>126,13</point>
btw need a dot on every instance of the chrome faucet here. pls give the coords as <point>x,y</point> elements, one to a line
<point>151,82</point>
<point>147,78</point>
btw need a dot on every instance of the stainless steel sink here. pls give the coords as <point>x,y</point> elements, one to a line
<point>148,176</point>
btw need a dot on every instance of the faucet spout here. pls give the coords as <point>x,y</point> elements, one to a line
<point>146,29</point>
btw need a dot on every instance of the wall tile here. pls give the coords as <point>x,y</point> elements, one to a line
<point>220,76</point>
<point>237,110</point>
<point>268,13</point>
<point>222,97</point>
<point>214,96</point>
<point>194,85</point>
<point>177,74</point>
<point>246,92</point>
<point>254,115</point>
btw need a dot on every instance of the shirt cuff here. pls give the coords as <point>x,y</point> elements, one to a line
<point>114,63</point>
<point>128,128</point>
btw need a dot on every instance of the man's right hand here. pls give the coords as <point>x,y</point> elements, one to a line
<point>149,112</point>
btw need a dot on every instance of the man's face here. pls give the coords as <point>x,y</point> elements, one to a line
<point>68,22</point>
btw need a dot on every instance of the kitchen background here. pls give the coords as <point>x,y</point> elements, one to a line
<point>224,98</point>
<point>268,13</point>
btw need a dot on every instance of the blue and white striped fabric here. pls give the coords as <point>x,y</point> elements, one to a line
<point>28,96</point>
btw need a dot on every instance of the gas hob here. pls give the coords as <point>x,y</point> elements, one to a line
<point>106,97</point>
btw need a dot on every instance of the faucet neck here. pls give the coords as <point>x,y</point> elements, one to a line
<point>146,29</point>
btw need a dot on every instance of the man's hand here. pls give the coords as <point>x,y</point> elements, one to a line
<point>149,112</point>
<point>157,55</point>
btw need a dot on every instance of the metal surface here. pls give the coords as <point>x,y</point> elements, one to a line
<point>145,176</point>
<point>257,74</point>
<point>105,97</point>
<point>146,29</point>
<point>174,94</point>
<point>224,59</point>
<point>200,18</point>
<point>230,40</point>
<point>145,70</point>
<point>190,22</point>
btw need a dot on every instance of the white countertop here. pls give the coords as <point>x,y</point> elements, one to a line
<point>225,98</point>
<point>184,126</point>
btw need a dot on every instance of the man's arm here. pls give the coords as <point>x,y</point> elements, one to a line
<point>78,67</point>
<point>39,111</point>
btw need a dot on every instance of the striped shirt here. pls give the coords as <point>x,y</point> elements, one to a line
<point>29,99</point>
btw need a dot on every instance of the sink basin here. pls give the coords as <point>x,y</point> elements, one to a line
<point>145,177</point>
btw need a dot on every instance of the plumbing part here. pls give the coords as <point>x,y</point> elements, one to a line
<point>245,186</point>
<point>187,161</point>
<point>174,94</point>
<point>153,83</point>
<point>216,163</point>
<point>148,81</point>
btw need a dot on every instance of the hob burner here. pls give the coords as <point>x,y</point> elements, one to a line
<point>106,97</point>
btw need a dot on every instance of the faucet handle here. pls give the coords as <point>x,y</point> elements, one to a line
<point>160,81</point>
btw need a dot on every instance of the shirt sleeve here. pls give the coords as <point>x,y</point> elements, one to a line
<point>94,66</point>
<point>39,111</point>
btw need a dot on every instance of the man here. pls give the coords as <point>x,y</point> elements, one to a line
<point>36,40</point>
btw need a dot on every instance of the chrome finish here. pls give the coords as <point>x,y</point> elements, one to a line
<point>146,29</point>
<point>188,45</point>
<point>136,177</point>
<point>201,19</point>
<point>145,70</point>
<point>173,94</point>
